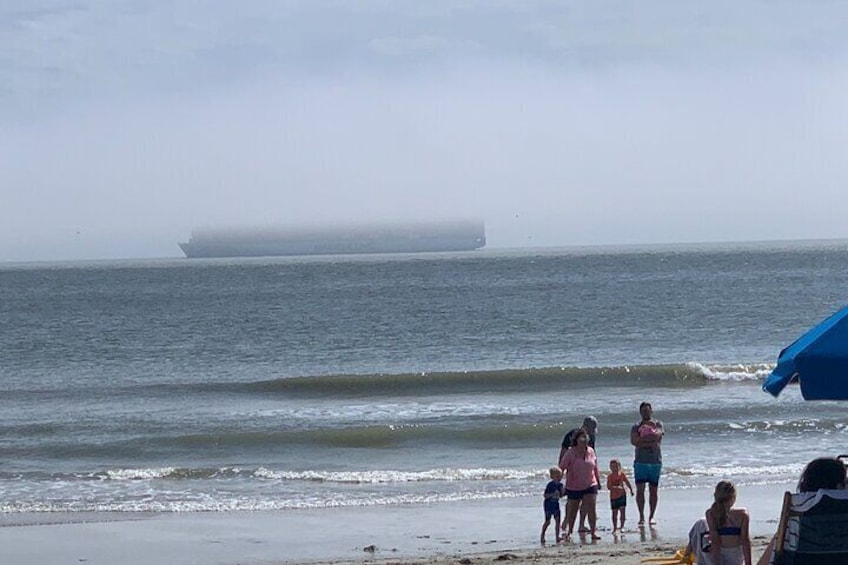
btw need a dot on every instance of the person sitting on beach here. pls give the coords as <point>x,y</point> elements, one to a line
<point>582,482</point>
<point>553,492</point>
<point>646,437</point>
<point>822,473</point>
<point>698,548</point>
<point>616,481</point>
<point>729,528</point>
<point>590,424</point>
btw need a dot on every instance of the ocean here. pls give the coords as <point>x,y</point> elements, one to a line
<point>282,384</point>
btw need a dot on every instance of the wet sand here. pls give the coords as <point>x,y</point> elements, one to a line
<point>484,531</point>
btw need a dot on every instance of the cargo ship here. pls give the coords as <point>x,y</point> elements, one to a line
<point>418,237</point>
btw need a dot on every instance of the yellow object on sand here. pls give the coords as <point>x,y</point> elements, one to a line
<point>680,557</point>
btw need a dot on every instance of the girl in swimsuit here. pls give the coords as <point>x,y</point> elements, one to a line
<point>731,544</point>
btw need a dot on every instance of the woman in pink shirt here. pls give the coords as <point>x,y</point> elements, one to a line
<point>582,482</point>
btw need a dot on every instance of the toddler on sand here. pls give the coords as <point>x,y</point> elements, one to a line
<point>553,491</point>
<point>616,481</point>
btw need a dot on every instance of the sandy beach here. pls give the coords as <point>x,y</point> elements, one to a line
<point>485,531</point>
<point>573,554</point>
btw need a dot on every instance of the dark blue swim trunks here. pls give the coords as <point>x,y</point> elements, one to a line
<point>551,508</point>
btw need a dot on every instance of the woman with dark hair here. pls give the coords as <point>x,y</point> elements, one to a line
<point>824,472</point>
<point>582,481</point>
<point>821,473</point>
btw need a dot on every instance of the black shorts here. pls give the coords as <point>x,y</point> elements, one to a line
<point>579,494</point>
<point>619,502</point>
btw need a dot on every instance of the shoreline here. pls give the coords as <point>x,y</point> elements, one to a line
<point>475,532</point>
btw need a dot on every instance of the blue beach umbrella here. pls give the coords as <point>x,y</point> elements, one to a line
<point>818,360</point>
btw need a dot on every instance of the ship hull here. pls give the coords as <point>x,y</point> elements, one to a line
<point>337,241</point>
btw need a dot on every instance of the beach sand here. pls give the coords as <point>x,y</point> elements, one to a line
<point>481,531</point>
<point>573,554</point>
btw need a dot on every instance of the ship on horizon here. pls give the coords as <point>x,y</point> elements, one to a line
<point>411,237</point>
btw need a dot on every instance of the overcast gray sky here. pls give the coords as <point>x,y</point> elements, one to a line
<point>123,124</point>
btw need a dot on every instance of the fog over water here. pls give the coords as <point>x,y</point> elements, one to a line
<point>124,125</point>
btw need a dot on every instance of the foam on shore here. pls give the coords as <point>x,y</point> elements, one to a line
<point>342,534</point>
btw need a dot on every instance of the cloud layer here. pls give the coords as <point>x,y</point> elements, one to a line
<point>125,124</point>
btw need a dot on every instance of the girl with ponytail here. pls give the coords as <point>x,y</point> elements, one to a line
<point>731,543</point>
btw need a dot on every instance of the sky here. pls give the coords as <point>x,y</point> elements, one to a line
<point>124,124</point>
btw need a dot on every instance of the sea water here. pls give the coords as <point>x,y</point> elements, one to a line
<point>287,383</point>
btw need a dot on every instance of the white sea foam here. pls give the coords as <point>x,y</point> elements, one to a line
<point>390,476</point>
<point>381,411</point>
<point>195,502</point>
<point>739,372</point>
<point>139,474</point>
<point>735,470</point>
<point>154,473</point>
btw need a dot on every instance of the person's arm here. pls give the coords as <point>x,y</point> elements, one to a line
<point>565,461</point>
<point>656,438</point>
<point>635,440</point>
<point>566,444</point>
<point>638,441</point>
<point>597,471</point>
<point>715,539</point>
<point>746,538</point>
<point>626,481</point>
<point>661,430</point>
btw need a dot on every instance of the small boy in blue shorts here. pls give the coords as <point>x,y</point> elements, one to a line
<point>553,492</point>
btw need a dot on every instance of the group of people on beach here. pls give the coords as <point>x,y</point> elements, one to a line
<point>578,463</point>
<point>720,537</point>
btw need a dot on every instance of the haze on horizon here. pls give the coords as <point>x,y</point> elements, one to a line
<point>123,125</point>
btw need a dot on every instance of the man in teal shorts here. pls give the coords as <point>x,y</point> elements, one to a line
<point>646,437</point>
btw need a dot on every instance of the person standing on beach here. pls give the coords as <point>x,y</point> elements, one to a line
<point>582,482</point>
<point>590,424</point>
<point>553,492</point>
<point>646,437</point>
<point>616,482</point>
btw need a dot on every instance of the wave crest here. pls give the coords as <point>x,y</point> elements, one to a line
<point>738,372</point>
